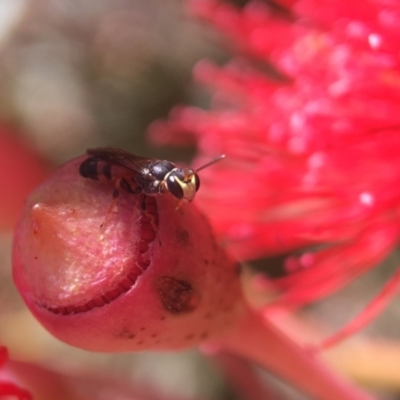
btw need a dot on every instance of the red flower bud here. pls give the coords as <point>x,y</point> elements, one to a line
<point>152,277</point>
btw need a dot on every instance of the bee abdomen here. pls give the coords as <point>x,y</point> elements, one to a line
<point>95,169</point>
<point>88,169</point>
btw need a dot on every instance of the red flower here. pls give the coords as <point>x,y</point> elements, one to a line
<point>9,389</point>
<point>20,171</point>
<point>312,154</point>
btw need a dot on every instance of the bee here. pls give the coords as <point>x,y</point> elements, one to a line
<point>141,175</point>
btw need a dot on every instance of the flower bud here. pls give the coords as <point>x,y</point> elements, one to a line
<point>133,274</point>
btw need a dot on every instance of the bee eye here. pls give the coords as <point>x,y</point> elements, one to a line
<point>197,181</point>
<point>174,187</point>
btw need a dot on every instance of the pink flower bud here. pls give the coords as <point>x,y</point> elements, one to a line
<point>152,277</point>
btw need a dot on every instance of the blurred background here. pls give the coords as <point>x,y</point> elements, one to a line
<point>79,74</point>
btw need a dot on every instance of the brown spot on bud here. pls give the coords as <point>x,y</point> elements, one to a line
<point>204,335</point>
<point>183,236</point>
<point>127,334</point>
<point>177,296</point>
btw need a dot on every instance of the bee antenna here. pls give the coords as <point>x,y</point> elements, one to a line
<point>215,160</point>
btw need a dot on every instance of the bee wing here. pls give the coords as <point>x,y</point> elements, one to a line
<point>120,157</point>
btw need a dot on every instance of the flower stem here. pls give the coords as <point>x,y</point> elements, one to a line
<point>262,342</point>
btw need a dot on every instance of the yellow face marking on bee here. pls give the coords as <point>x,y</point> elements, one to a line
<point>188,187</point>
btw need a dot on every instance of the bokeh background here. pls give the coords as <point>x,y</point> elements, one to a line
<point>79,74</point>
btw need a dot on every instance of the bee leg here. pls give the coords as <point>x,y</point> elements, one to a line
<point>115,195</point>
<point>148,206</point>
<point>163,187</point>
<point>179,205</point>
<point>119,184</point>
<point>124,184</point>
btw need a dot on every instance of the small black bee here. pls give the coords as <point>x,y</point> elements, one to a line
<point>137,175</point>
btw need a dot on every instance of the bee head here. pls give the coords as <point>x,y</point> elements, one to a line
<point>183,183</point>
